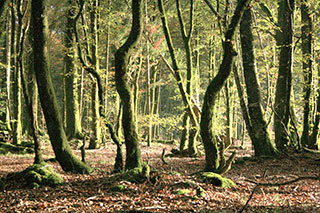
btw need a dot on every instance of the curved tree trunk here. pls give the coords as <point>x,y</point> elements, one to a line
<point>61,148</point>
<point>133,155</point>
<point>206,127</point>
<point>259,132</point>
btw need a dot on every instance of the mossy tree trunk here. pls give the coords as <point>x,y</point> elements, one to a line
<point>73,121</point>
<point>315,131</point>
<point>28,98</point>
<point>207,115</point>
<point>8,72</point>
<point>258,129</point>
<point>95,140</point>
<point>283,85</point>
<point>133,155</point>
<point>61,148</point>
<point>17,110</point>
<point>306,47</point>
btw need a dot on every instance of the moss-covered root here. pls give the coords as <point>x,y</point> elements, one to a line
<point>138,174</point>
<point>217,180</point>
<point>38,175</point>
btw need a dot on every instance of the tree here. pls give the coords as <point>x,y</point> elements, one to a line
<point>15,42</point>
<point>175,70</point>
<point>73,124</point>
<point>61,148</point>
<point>206,129</point>
<point>284,81</point>
<point>186,37</point>
<point>256,126</point>
<point>133,155</point>
<point>306,47</point>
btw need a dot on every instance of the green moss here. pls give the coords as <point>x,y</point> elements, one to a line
<point>217,180</point>
<point>41,174</point>
<point>182,191</point>
<point>33,177</point>
<point>34,185</point>
<point>200,192</point>
<point>118,188</point>
<point>133,175</point>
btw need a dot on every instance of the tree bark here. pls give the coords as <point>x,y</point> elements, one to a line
<point>96,138</point>
<point>17,110</point>
<point>206,128</point>
<point>61,148</point>
<point>73,121</point>
<point>258,132</point>
<point>306,47</point>
<point>283,86</point>
<point>8,73</point>
<point>133,155</point>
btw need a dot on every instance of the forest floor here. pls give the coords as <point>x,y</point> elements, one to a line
<point>92,193</point>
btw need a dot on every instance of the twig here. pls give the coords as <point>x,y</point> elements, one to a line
<point>285,183</point>
<point>251,195</point>
<point>258,184</point>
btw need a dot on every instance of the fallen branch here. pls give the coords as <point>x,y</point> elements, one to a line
<point>258,185</point>
<point>313,151</point>
<point>285,183</point>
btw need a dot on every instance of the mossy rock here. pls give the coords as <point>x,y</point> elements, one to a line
<point>182,191</point>
<point>217,180</point>
<point>118,188</point>
<point>41,174</point>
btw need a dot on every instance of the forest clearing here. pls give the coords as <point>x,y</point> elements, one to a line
<point>95,193</point>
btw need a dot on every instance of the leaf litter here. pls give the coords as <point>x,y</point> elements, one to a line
<point>93,193</point>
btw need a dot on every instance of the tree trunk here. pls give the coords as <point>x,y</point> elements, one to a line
<point>259,132</point>
<point>73,121</point>
<point>8,73</point>
<point>206,128</point>
<point>283,87</point>
<point>175,68</point>
<point>306,47</point>
<point>133,155</point>
<point>95,140</point>
<point>15,34</point>
<point>61,148</point>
